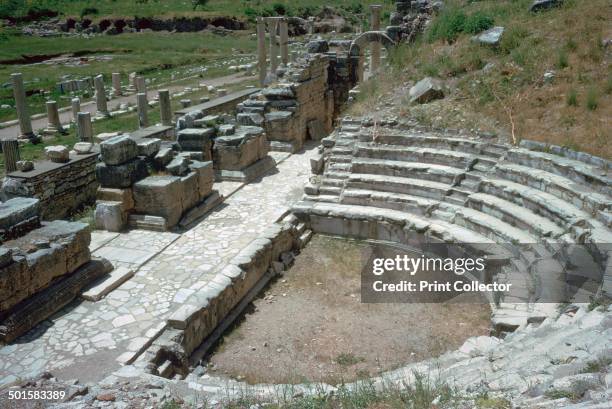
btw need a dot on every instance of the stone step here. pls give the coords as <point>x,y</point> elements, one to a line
<point>147,222</point>
<point>346,167</point>
<point>332,182</point>
<point>340,159</point>
<point>457,196</point>
<point>577,194</point>
<point>414,154</point>
<point>448,143</point>
<point>574,170</point>
<point>106,284</point>
<point>394,184</point>
<point>415,170</point>
<point>396,201</point>
<point>322,198</point>
<point>544,204</point>
<point>305,238</point>
<point>488,226</point>
<point>300,228</point>
<point>514,215</point>
<point>348,215</point>
<point>334,174</point>
<point>330,190</point>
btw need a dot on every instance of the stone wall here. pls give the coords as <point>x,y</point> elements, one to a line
<point>62,188</point>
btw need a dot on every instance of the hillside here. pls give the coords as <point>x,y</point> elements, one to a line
<point>550,77</point>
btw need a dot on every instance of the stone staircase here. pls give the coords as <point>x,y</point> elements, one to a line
<point>449,185</point>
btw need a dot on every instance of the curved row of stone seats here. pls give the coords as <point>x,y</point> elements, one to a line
<point>437,178</point>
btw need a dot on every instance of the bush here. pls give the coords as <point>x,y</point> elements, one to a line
<point>279,8</point>
<point>477,23</point>
<point>453,22</point>
<point>562,61</point>
<point>572,98</point>
<point>592,99</point>
<point>89,11</point>
<point>447,26</point>
<point>251,13</point>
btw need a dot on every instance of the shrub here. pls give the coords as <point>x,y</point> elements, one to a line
<point>478,22</point>
<point>572,98</point>
<point>279,8</point>
<point>512,38</point>
<point>447,26</point>
<point>592,99</point>
<point>562,61</point>
<point>251,13</point>
<point>89,11</point>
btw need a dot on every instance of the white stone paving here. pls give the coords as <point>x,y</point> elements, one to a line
<point>169,268</point>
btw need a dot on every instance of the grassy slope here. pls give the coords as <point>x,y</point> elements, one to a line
<point>574,110</point>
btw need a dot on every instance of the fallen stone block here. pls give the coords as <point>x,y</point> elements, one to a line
<point>196,139</point>
<point>124,196</point>
<point>490,37</point>
<point>163,157</point>
<point>159,196</point>
<point>118,150</point>
<point>58,154</point>
<point>206,177</point>
<point>110,216</point>
<point>18,216</point>
<point>317,46</point>
<point>541,5</point>
<point>39,307</point>
<point>178,166</point>
<point>121,176</point>
<point>25,165</point>
<point>149,147</point>
<point>426,90</point>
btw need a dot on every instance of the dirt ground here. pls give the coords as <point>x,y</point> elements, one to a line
<point>310,324</point>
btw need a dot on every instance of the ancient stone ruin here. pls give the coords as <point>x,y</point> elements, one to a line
<point>197,215</point>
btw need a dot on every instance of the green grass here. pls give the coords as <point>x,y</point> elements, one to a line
<point>572,98</point>
<point>147,8</point>
<point>592,99</point>
<point>154,55</point>
<point>348,359</point>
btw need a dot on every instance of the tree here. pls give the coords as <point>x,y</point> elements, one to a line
<point>197,3</point>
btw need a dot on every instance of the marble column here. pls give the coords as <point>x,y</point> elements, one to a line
<point>84,128</point>
<point>375,26</point>
<point>10,150</point>
<point>143,106</point>
<point>165,107</point>
<point>101,96</point>
<point>273,27</point>
<point>261,50</point>
<point>141,85</point>
<point>284,41</point>
<point>116,84</point>
<point>53,118</point>
<point>76,108</point>
<point>25,122</point>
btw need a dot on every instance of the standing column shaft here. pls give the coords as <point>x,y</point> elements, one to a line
<point>141,85</point>
<point>84,128</point>
<point>273,45</point>
<point>10,149</point>
<point>116,84</point>
<point>261,50</point>
<point>25,123</point>
<point>375,26</point>
<point>361,67</point>
<point>143,117</point>
<point>284,41</point>
<point>53,117</point>
<point>165,108</point>
<point>76,108</point>
<point>101,96</point>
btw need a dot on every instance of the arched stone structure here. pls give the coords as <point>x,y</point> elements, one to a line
<point>359,43</point>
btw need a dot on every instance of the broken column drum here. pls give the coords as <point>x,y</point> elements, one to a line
<point>101,96</point>
<point>53,118</point>
<point>10,149</point>
<point>25,123</point>
<point>84,128</point>
<point>143,116</point>
<point>164,107</point>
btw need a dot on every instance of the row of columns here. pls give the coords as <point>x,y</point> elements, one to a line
<point>275,25</point>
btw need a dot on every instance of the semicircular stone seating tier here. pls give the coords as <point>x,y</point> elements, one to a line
<point>398,183</point>
<point>359,43</point>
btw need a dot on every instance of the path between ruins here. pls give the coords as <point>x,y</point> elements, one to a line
<point>113,105</point>
<point>89,340</point>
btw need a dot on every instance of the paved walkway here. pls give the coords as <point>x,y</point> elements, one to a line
<point>90,340</point>
<point>113,105</point>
